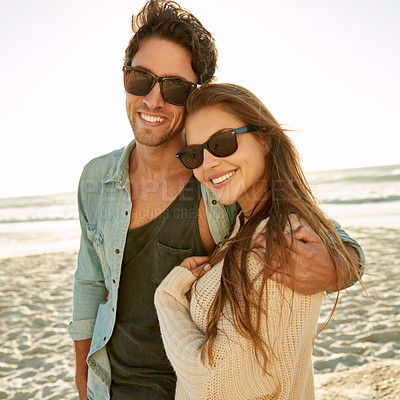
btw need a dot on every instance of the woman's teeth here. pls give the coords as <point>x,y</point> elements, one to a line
<point>222,178</point>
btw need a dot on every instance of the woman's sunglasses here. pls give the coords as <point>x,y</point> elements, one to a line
<point>222,144</point>
<point>173,90</point>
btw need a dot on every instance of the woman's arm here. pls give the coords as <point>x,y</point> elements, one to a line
<point>182,339</point>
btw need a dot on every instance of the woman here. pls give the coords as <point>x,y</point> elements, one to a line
<point>234,333</point>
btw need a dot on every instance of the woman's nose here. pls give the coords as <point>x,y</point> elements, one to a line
<point>209,161</point>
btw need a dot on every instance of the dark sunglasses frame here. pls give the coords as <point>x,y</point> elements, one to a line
<point>161,80</point>
<point>197,149</point>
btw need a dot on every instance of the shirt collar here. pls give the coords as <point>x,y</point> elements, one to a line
<point>119,171</point>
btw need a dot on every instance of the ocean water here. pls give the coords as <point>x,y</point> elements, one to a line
<point>38,224</point>
<point>360,197</point>
<point>354,197</point>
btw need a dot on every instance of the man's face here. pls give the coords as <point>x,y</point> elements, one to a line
<point>153,120</point>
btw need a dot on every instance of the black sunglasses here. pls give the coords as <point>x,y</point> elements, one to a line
<point>173,90</point>
<point>222,144</point>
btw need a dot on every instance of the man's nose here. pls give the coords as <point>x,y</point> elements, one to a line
<point>154,99</point>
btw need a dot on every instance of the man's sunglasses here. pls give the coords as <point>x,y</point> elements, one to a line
<point>173,90</point>
<point>222,144</point>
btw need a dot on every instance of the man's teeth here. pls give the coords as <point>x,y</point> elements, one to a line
<point>150,118</point>
<point>222,178</point>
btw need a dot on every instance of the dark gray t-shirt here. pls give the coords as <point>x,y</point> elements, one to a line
<point>139,366</point>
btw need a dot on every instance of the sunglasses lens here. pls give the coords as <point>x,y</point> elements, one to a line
<point>138,83</point>
<point>191,157</point>
<point>176,91</point>
<point>173,90</point>
<point>223,145</point>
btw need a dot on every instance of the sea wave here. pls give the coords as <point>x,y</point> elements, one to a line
<point>60,199</point>
<point>26,219</point>
<point>39,209</point>
<point>365,200</point>
<point>369,175</point>
<point>362,179</point>
<point>354,179</point>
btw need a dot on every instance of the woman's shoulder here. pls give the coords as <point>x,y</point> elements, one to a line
<point>261,225</point>
<point>294,221</point>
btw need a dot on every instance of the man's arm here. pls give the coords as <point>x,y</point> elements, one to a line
<point>315,269</point>
<point>81,351</point>
<point>89,292</point>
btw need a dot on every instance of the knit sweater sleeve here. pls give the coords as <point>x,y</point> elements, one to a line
<point>182,339</point>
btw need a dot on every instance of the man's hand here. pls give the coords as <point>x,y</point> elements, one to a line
<point>312,263</point>
<point>198,265</point>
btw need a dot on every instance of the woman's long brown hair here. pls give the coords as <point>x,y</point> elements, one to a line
<point>287,193</point>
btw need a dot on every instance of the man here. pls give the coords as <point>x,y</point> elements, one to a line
<point>142,213</point>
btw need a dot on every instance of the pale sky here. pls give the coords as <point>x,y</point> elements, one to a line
<point>328,69</point>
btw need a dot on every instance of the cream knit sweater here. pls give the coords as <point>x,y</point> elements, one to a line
<point>236,373</point>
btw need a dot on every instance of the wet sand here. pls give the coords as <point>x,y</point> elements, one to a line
<point>359,353</point>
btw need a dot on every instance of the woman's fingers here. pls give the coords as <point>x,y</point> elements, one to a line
<point>198,265</point>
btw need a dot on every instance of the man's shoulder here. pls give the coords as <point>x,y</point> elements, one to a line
<point>108,164</point>
<point>105,159</point>
<point>220,218</point>
<point>94,172</point>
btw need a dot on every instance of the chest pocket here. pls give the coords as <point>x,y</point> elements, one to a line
<point>165,258</point>
<point>95,235</point>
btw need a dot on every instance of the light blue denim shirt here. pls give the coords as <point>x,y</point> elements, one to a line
<point>104,211</point>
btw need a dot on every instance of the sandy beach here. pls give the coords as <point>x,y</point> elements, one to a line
<point>359,353</point>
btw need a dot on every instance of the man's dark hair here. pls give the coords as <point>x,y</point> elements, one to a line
<point>166,19</point>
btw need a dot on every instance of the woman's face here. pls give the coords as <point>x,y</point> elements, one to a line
<point>238,177</point>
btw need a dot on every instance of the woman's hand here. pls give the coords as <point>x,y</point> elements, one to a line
<point>198,265</point>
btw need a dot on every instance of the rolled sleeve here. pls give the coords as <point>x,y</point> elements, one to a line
<point>88,295</point>
<point>344,236</point>
<point>81,330</point>
<point>350,241</point>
